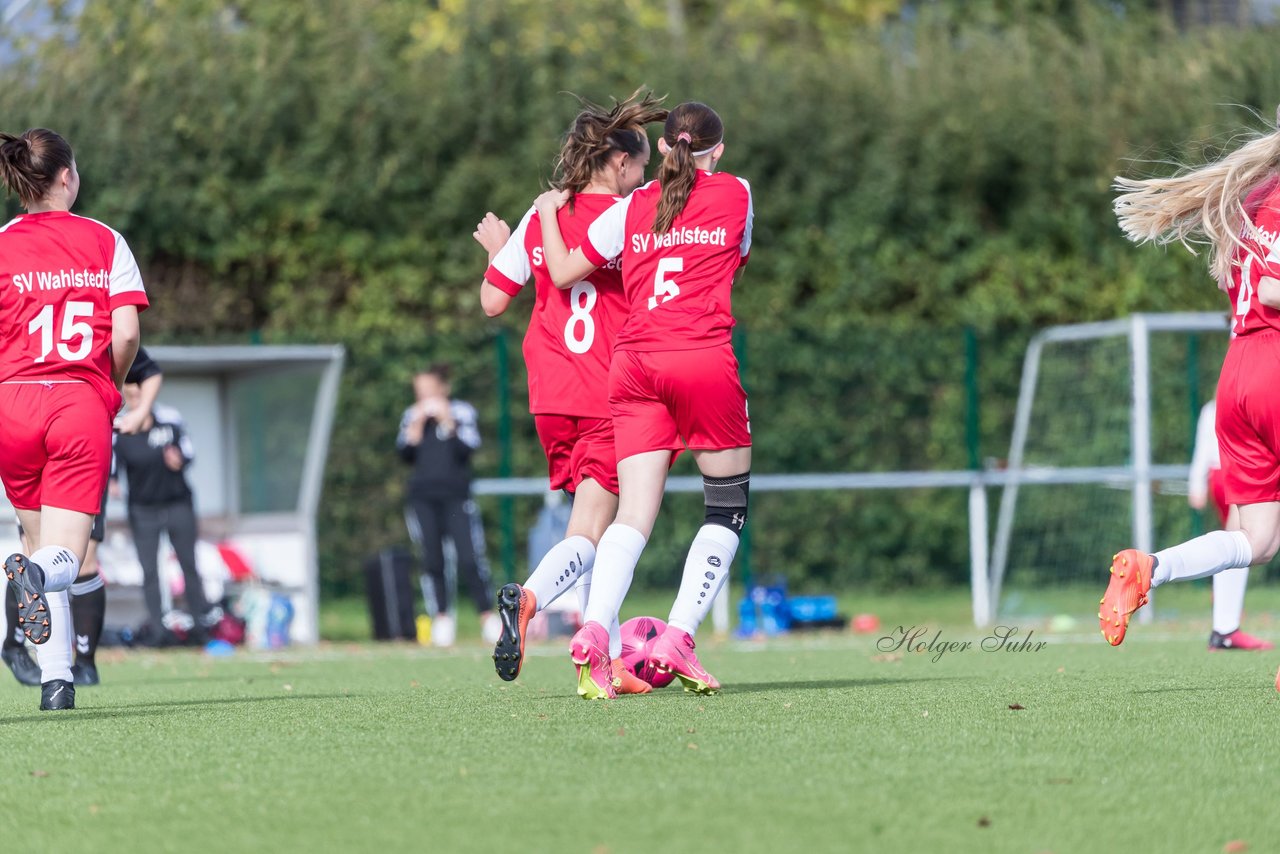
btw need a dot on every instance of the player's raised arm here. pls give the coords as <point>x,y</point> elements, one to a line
<point>509,263</point>
<point>493,234</point>
<point>565,267</point>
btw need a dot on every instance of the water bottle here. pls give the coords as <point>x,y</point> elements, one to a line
<point>747,617</point>
<point>773,611</point>
<point>279,616</point>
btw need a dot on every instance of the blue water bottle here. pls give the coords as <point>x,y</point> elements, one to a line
<point>279,617</point>
<point>746,617</point>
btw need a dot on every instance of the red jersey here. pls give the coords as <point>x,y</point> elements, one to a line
<point>677,284</point>
<point>1262,236</point>
<point>569,343</point>
<point>61,276</point>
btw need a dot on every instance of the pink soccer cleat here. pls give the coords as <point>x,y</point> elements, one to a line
<point>673,653</point>
<point>1237,640</point>
<point>590,652</point>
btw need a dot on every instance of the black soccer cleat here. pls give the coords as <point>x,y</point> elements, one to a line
<point>57,695</point>
<point>26,671</point>
<point>27,581</point>
<point>516,607</point>
<point>84,674</point>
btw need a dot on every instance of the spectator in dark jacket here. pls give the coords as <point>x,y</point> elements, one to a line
<point>437,437</point>
<point>154,461</point>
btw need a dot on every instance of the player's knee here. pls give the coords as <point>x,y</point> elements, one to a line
<point>1264,544</point>
<point>726,500</point>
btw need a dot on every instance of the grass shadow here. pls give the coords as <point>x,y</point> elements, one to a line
<point>762,687</point>
<point>827,684</point>
<point>1216,689</point>
<point>155,708</point>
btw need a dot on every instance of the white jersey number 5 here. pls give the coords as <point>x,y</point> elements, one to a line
<point>74,331</point>
<point>665,289</point>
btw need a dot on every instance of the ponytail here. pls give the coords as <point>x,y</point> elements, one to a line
<point>598,132</point>
<point>691,128</point>
<point>31,161</point>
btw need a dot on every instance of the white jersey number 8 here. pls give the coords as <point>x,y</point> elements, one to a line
<point>665,289</point>
<point>72,330</point>
<point>580,314</point>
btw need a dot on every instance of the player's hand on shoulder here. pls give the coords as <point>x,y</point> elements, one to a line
<point>551,201</point>
<point>492,233</point>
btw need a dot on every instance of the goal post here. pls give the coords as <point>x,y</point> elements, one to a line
<point>1135,466</point>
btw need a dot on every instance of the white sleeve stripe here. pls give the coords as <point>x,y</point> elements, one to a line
<point>746,231</point>
<point>464,414</point>
<point>402,438</point>
<point>125,276</point>
<point>607,235</point>
<point>512,260</point>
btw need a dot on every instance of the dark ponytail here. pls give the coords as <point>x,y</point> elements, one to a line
<point>30,163</point>
<point>598,132</point>
<point>690,127</point>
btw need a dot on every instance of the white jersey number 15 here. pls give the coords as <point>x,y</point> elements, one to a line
<point>76,341</point>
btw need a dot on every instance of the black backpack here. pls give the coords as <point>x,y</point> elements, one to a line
<point>389,587</point>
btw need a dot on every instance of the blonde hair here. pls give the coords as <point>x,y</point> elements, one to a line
<point>1203,205</point>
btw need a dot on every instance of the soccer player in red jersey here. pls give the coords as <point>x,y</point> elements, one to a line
<point>70,293</point>
<point>567,350</point>
<point>682,241</point>
<point>1233,205</point>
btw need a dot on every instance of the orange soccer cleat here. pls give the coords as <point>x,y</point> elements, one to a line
<point>626,682</point>
<point>516,607</point>
<point>1127,592</point>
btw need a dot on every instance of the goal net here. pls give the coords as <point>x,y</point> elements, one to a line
<point>1102,439</point>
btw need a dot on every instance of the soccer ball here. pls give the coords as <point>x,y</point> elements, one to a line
<point>638,637</point>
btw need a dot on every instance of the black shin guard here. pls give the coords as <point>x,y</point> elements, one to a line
<point>726,499</point>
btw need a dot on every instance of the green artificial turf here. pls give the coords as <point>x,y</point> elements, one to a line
<point>818,743</point>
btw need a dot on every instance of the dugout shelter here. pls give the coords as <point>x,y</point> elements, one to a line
<point>260,418</point>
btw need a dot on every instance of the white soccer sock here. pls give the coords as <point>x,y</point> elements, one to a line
<point>584,596</point>
<point>60,567</point>
<point>617,556</point>
<point>705,571</point>
<point>1205,555</point>
<point>560,568</point>
<point>584,589</point>
<point>1228,599</point>
<point>54,654</point>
